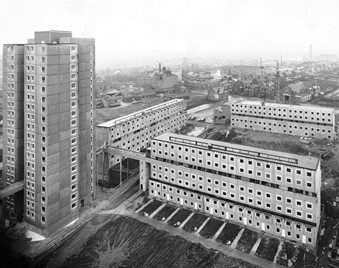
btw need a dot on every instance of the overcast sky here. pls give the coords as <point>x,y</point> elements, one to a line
<point>135,30</point>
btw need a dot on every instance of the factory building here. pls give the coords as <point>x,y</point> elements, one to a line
<point>133,132</point>
<point>274,192</point>
<point>317,122</point>
<point>49,128</point>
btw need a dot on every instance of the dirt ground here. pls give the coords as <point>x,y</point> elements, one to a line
<point>126,242</point>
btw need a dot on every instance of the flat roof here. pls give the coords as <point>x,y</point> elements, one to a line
<point>125,118</point>
<point>246,151</point>
<point>281,105</point>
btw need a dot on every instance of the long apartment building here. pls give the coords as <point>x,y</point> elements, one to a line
<point>49,128</point>
<point>133,132</point>
<point>275,192</point>
<point>317,122</point>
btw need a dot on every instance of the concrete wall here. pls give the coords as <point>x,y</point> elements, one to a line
<point>13,129</point>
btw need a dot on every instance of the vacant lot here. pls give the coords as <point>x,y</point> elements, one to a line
<point>126,242</point>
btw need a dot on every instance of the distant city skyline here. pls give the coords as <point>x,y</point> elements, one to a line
<point>132,31</point>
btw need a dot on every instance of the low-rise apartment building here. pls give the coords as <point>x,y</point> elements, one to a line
<point>275,192</point>
<point>133,132</point>
<point>317,122</point>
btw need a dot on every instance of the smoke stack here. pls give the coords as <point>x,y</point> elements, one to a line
<point>311,51</point>
<point>159,67</point>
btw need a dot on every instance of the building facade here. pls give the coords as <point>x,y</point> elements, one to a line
<point>134,132</point>
<point>275,192</point>
<point>13,130</point>
<point>317,122</point>
<point>58,128</point>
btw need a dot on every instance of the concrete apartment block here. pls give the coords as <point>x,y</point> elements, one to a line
<point>13,129</point>
<point>134,132</point>
<point>317,122</point>
<point>53,173</point>
<point>272,191</point>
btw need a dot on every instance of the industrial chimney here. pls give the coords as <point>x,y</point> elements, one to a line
<point>159,67</point>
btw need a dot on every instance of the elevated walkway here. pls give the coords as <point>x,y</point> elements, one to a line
<point>11,189</point>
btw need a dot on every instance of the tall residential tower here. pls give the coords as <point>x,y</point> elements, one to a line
<point>49,128</point>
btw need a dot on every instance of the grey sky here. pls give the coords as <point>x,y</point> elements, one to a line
<point>135,30</point>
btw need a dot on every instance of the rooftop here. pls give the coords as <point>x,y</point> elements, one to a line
<point>287,106</point>
<point>246,151</point>
<point>125,118</point>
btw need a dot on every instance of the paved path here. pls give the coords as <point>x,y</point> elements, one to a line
<point>142,207</point>
<point>187,219</point>
<point>157,210</point>
<point>235,241</point>
<point>202,226</point>
<point>278,251</point>
<point>172,215</point>
<point>219,231</point>
<point>256,245</point>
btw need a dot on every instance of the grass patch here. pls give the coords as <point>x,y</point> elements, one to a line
<point>180,216</point>
<point>211,228</point>
<point>247,240</point>
<point>268,248</point>
<point>228,234</point>
<point>151,207</point>
<point>165,212</point>
<point>194,222</point>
